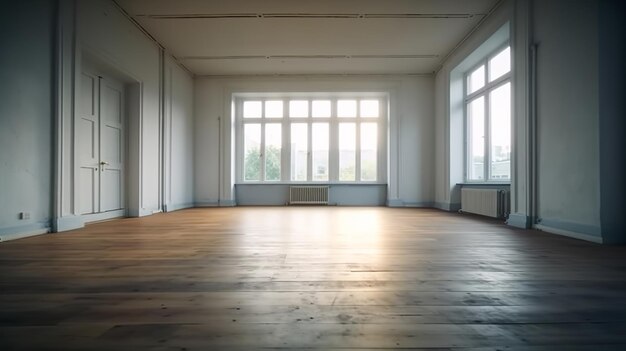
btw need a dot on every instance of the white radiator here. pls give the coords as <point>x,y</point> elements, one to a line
<point>486,202</point>
<point>308,195</point>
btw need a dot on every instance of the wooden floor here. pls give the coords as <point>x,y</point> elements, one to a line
<point>310,278</point>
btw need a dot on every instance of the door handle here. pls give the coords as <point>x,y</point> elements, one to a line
<point>104,163</point>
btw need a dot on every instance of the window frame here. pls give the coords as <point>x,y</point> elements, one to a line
<point>333,127</point>
<point>485,92</point>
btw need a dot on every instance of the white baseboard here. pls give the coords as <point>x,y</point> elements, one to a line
<point>395,203</point>
<point>518,220</point>
<point>25,231</point>
<point>176,207</point>
<point>409,204</point>
<point>425,204</point>
<point>447,206</point>
<point>66,223</point>
<point>569,233</point>
<point>215,203</point>
<point>142,212</point>
<point>103,216</point>
<point>206,204</point>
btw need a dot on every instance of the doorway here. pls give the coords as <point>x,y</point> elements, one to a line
<point>101,145</point>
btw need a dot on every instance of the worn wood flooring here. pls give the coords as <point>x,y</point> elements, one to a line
<point>310,278</point>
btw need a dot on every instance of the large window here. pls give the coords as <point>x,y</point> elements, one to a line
<point>307,139</point>
<point>488,119</point>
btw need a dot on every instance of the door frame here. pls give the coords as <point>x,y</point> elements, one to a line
<point>103,74</point>
<point>66,209</point>
<point>93,65</point>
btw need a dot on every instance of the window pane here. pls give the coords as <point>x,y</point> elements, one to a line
<point>346,108</point>
<point>476,80</point>
<point>321,108</point>
<point>369,150</point>
<point>252,151</point>
<point>476,142</point>
<point>347,151</point>
<point>369,108</point>
<point>320,151</point>
<point>299,151</point>
<point>273,146</point>
<point>298,108</point>
<point>252,109</point>
<point>273,108</point>
<point>500,114</point>
<point>500,64</point>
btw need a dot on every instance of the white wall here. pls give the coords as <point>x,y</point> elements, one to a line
<point>411,157</point>
<point>567,115</point>
<point>26,110</point>
<point>612,89</point>
<point>179,136</point>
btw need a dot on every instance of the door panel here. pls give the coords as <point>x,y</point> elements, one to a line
<point>111,200</point>
<point>112,102</point>
<point>111,145</point>
<point>112,149</point>
<point>87,194</point>
<point>87,130</point>
<point>88,94</point>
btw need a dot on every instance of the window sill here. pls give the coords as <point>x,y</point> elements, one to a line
<point>485,183</point>
<point>310,183</point>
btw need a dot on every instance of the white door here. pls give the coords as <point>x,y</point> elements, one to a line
<point>100,132</point>
<point>111,145</point>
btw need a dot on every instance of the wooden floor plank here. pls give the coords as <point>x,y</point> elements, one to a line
<point>310,278</point>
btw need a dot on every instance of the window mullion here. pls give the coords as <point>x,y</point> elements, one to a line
<point>262,152</point>
<point>487,139</point>
<point>488,87</point>
<point>468,146</point>
<point>309,168</point>
<point>333,157</point>
<point>285,159</point>
<point>240,153</point>
<point>487,168</point>
<point>499,81</point>
<point>357,125</point>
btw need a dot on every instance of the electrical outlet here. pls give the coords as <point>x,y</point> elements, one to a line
<point>24,215</point>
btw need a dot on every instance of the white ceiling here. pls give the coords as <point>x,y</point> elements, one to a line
<point>250,37</point>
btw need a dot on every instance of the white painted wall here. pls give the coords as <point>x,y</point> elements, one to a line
<point>411,157</point>
<point>26,110</point>
<point>612,90</point>
<point>178,136</point>
<point>567,115</point>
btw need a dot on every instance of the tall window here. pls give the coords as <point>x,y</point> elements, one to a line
<point>488,118</point>
<point>311,139</point>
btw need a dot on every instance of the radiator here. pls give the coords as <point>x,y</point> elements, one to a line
<point>308,195</point>
<point>486,202</point>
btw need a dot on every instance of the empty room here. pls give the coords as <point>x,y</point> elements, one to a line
<point>331,175</point>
